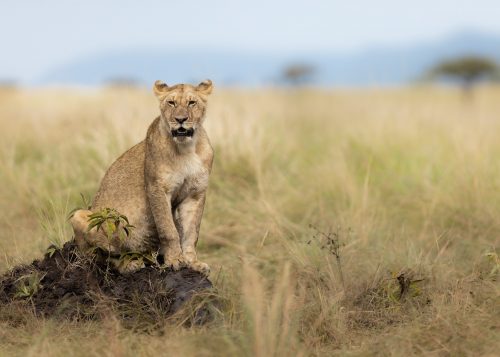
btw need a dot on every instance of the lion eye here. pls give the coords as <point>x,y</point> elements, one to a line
<point>171,103</point>
<point>191,103</point>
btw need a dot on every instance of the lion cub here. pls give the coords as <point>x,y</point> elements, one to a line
<point>159,184</point>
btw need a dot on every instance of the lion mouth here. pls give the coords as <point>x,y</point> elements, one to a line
<point>183,132</point>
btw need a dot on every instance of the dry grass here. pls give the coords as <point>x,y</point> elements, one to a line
<point>411,176</point>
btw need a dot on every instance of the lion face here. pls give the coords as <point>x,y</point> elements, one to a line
<point>182,108</point>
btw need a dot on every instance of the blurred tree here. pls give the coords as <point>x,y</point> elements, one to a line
<point>468,70</point>
<point>8,84</point>
<point>124,82</point>
<point>298,74</point>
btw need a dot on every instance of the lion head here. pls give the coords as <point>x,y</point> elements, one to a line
<point>183,108</point>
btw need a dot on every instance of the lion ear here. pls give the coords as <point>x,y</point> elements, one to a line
<point>159,88</point>
<point>205,87</point>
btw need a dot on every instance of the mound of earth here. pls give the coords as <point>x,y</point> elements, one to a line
<point>67,284</point>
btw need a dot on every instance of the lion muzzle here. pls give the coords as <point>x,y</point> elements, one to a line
<point>182,132</point>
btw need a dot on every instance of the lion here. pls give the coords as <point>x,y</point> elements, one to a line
<point>159,184</point>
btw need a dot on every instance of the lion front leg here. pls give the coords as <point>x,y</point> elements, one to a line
<point>190,212</point>
<point>170,253</point>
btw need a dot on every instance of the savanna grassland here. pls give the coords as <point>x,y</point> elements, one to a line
<point>406,180</point>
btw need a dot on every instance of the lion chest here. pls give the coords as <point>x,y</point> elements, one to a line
<point>187,177</point>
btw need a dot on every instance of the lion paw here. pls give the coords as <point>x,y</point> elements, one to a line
<point>174,261</point>
<point>200,267</point>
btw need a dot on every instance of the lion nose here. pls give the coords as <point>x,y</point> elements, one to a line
<point>180,120</point>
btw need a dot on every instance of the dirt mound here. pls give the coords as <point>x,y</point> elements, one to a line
<point>66,284</point>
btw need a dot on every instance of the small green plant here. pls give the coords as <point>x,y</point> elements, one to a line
<point>393,290</point>
<point>407,285</point>
<point>28,285</point>
<point>51,250</point>
<point>111,221</point>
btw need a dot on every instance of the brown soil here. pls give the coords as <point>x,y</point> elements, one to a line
<point>65,284</point>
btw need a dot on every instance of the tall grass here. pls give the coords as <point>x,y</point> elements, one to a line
<point>411,176</point>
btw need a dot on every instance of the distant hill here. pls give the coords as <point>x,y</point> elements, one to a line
<point>374,66</point>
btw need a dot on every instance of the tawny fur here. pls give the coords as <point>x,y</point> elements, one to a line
<point>159,184</point>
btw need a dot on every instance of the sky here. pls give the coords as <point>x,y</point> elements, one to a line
<point>36,35</point>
